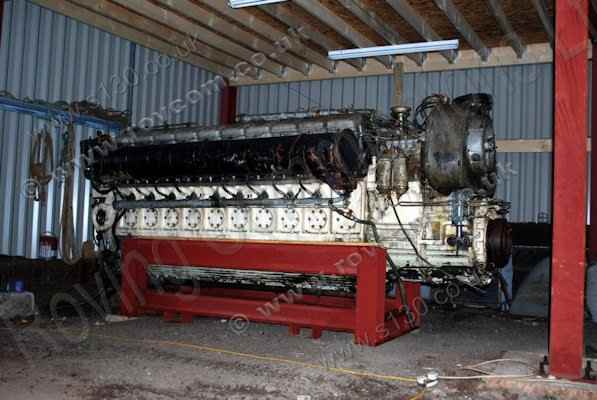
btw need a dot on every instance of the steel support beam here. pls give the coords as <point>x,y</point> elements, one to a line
<point>336,23</point>
<point>462,25</point>
<point>228,104</point>
<point>566,339</point>
<point>517,44</point>
<point>415,20</point>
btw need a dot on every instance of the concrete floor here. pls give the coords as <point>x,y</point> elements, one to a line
<point>131,360</point>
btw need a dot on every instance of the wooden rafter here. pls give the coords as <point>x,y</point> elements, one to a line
<point>225,28</point>
<point>134,35</point>
<point>515,41</point>
<point>374,22</point>
<point>185,43</point>
<point>467,59</point>
<point>247,20</point>
<point>284,15</point>
<point>465,29</point>
<point>339,25</point>
<point>419,23</point>
<point>166,16</point>
<point>547,22</point>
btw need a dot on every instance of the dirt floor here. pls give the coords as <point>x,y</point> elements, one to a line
<point>150,359</point>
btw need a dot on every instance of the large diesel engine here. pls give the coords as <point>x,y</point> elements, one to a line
<point>422,187</point>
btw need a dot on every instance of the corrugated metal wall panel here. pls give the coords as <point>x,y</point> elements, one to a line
<point>48,57</point>
<point>44,55</point>
<point>162,89</point>
<point>525,180</point>
<point>523,109</point>
<point>523,106</point>
<point>365,92</point>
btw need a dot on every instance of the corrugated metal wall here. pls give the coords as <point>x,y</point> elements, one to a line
<point>163,80</point>
<point>523,110</point>
<point>46,56</point>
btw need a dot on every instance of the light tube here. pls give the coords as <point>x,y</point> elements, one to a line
<point>250,3</point>
<point>407,48</point>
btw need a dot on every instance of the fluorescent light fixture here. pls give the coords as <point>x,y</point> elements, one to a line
<point>407,48</point>
<point>250,3</point>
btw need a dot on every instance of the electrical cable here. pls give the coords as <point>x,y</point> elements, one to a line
<point>419,395</point>
<point>122,196</point>
<point>160,193</point>
<point>488,374</point>
<point>140,192</point>
<point>260,357</point>
<point>178,189</point>
<point>475,377</point>
<point>393,266</point>
<point>421,113</point>
<point>407,236</point>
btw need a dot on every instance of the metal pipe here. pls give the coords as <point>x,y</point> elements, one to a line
<point>222,203</point>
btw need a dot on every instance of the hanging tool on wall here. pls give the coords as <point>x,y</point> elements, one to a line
<point>67,245</point>
<point>41,164</point>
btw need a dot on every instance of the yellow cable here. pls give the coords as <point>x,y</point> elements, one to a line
<point>304,364</point>
<point>418,396</point>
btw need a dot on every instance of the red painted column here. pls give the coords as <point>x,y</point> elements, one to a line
<point>371,289</point>
<point>566,341</point>
<point>593,228</point>
<point>228,105</point>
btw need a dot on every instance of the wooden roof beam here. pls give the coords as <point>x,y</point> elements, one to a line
<point>224,27</point>
<point>465,29</point>
<point>381,28</point>
<point>124,31</point>
<point>540,53</point>
<point>185,44</point>
<point>516,42</point>
<point>336,23</point>
<point>180,29</point>
<point>247,20</point>
<point>164,14</point>
<point>547,22</point>
<point>199,32</point>
<point>415,20</point>
<point>283,14</point>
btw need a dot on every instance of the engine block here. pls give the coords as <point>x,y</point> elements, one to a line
<point>421,188</point>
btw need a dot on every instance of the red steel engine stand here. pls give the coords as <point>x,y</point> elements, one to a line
<point>373,317</point>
